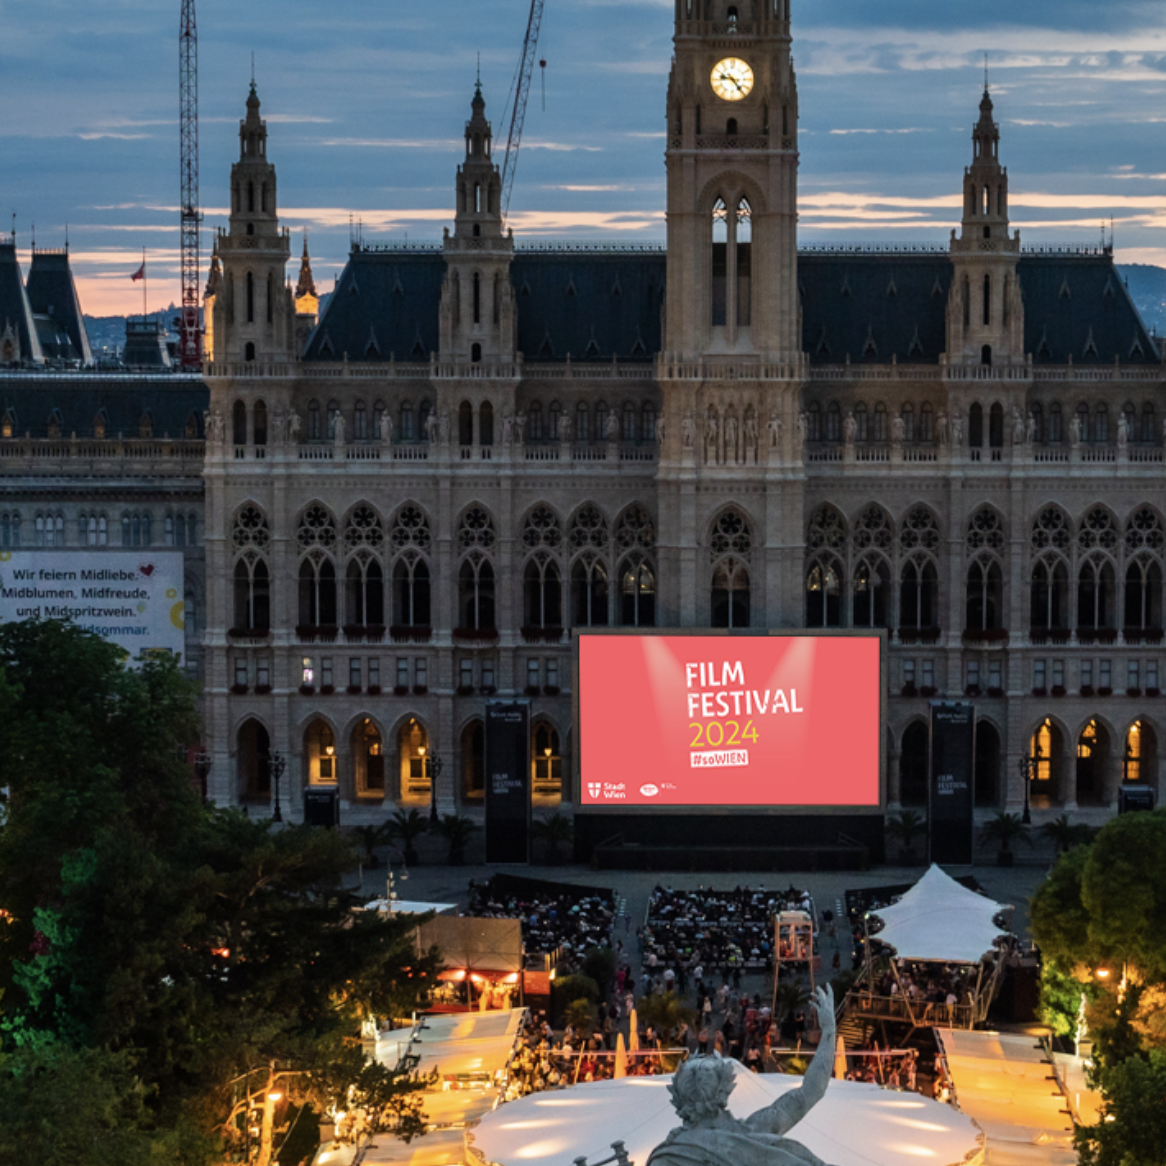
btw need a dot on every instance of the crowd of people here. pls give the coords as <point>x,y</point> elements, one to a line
<point>559,919</point>
<point>541,1060</point>
<point>893,1070</point>
<point>688,935</point>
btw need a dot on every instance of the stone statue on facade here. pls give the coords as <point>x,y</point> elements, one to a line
<point>849,428</point>
<point>898,430</point>
<point>294,424</point>
<point>751,434</point>
<point>507,428</point>
<point>431,427</point>
<point>1074,430</point>
<point>941,428</point>
<point>775,428</point>
<point>1019,429</point>
<point>1030,429</point>
<point>565,426</point>
<point>443,427</point>
<point>212,423</point>
<point>803,426</point>
<point>520,427</point>
<point>731,438</point>
<point>957,429</point>
<point>1123,431</point>
<point>612,426</point>
<point>688,431</point>
<point>337,428</point>
<point>711,1136</point>
<point>386,428</point>
<point>711,431</point>
<point>660,429</point>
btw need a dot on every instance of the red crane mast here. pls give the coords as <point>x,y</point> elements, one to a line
<point>189,331</point>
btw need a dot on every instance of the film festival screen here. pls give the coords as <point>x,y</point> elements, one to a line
<point>697,721</point>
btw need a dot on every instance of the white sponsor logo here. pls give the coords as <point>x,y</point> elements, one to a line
<point>719,758</point>
<point>593,788</point>
<point>649,790</point>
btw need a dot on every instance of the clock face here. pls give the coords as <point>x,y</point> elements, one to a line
<point>732,79</point>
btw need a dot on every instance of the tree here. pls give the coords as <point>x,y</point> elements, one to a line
<point>215,959</point>
<point>904,827</point>
<point>1005,829</point>
<point>553,829</point>
<point>1097,919</point>
<point>664,1012</point>
<point>405,827</point>
<point>457,831</point>
<point>599,965</point>
<point>1065,834</point>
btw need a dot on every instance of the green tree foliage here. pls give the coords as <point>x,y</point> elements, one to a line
<point>1100,920</point>
<point>664,1012</point>
<point>599,965</point>
<point>213,959</point>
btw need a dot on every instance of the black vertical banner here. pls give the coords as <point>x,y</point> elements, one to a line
<point>950,783</point>
<point>507,781</point>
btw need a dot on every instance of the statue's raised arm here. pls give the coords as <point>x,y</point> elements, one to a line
<point>787,1111</point>
<point>711,1136</point>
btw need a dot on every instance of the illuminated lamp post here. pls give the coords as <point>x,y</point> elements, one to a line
<point>1027,768</point>
<point>434,768</point>
<point>202,770</point>
<point>278,765</point>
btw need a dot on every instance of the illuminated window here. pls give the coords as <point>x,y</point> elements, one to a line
<point>369,757</point>
<point>1132,765</point>
<point>546,761</point>
<point>1041,750</point>
<point>1087,742</point>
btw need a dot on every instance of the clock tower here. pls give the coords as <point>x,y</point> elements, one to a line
<point>730,481</point>
<point>732,161</point>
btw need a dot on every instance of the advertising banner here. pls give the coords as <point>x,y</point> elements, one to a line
<point>134,598</point>
<point>951,787</point>
<point>672,720</point>
<point>507,781</point>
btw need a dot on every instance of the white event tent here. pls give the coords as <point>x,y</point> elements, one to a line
<point>855,1124</point>
<point>940,920</point>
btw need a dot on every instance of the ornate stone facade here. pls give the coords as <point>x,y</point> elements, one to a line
<point>483,447</point>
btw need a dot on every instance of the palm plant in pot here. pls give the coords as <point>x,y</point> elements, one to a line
<point>1065,834</point>
<point>904,828</point>
<point>554,829</point>
<point>405,827</point>
<point>1005,829</point>
<point>457,830</point>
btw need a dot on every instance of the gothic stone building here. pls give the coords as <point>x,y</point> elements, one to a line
<point>479,448</point>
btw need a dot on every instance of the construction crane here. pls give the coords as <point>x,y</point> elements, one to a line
<point>189,332</point>
<point>521,95</point>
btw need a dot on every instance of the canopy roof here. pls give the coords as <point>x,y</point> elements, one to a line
<point>455,1044</point>
<point>410,906</point>
<point>855,1124</point>
<point>938,920</point>
<point>1004,1082</point>
<point>477,945</point>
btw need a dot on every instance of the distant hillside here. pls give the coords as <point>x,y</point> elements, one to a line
<point>1148,288</point>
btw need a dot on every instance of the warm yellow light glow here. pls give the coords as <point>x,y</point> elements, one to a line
<point>1103,973</point>
<point>274,1095</point>
<point>329,749</point>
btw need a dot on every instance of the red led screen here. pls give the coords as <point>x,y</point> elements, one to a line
<point>729,720</point>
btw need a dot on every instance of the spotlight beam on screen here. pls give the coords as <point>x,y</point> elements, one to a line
<point>699,721</point>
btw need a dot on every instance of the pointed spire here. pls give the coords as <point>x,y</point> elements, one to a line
<point>307,284</point>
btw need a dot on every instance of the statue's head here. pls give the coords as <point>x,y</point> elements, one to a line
<point>700,1088</point>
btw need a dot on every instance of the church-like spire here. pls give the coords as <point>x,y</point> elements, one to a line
<point>306,285</point>
<point>985,181</point>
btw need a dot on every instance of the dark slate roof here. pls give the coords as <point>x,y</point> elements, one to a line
<point>1069,301</point>
<point>385,304</point>
<point>52,293</point>
<point>870,306</point>
<point>873,307</point>
<point>592,305</point>
<point>78,397</point>
<point>14,305</point>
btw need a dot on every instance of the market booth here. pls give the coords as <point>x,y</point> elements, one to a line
<point>482,961</point>
<point>855,1124</point>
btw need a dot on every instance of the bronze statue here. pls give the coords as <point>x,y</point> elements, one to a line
<point>711,1136</point>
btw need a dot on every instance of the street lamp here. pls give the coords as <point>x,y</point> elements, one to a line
<point>1027,769</point>
<point>435,768</point>
<point>278,765</point>
<point>202,770</point>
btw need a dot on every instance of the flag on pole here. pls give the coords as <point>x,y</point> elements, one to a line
<point>140,273</point>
